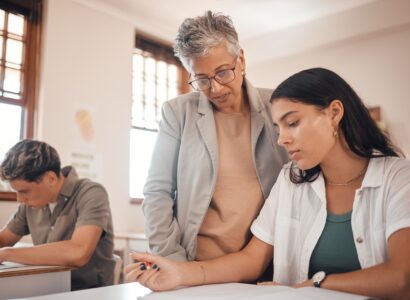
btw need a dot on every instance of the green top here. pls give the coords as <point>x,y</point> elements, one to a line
<point>335,252</point>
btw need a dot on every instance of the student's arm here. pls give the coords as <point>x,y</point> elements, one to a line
<point>8,238</point>
<point>161,227</point>
<point>74,253</point>
<point>245,265</point>
<point>390,280</point>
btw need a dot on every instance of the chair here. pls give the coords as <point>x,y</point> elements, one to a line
<point>117,268</point>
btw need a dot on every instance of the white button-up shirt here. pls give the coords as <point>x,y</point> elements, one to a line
<point>294,216</point>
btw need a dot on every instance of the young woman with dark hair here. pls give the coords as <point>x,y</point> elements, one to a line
<point>338,216</point>
<point>319,87</point>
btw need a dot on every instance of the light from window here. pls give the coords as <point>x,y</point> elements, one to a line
<point>11,77</point>
<point>142,145</point>
<point>20,27</point>
<point>11,55</point>
<point>154,82</point>
<point>10,124</point>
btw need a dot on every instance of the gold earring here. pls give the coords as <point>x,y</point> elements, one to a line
<point>243,73</point>
<point>335,134</point>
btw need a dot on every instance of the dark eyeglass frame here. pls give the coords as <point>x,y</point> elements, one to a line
<point>192,82</point>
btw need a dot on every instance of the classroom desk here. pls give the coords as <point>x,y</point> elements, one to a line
<point>29,281</point>
<point>231,291</point>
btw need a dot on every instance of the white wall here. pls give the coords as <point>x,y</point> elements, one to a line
<point>87,60</point>
<point>377,66</point>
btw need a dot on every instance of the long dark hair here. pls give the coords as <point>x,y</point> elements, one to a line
<point>320,87</point>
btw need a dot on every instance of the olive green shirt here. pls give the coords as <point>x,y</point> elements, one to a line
<point>80,202</point>
<point>335,252</point>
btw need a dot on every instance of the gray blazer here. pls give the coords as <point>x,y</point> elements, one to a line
<point>183,171</point>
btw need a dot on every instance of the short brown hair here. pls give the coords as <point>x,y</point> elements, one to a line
<point>29,160</point>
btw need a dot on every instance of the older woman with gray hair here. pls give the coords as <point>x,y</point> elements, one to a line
<point>215,158</point>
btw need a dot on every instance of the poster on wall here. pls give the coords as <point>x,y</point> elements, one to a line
<point>84,118</point>
<point>83,156</point>
<point>87,164</point>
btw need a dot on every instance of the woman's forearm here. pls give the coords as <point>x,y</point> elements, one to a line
<point>384,281</point>
<point>244,266</point>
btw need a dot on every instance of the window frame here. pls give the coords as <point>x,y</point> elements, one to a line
<point>32,10</point>
<point>164,52</point>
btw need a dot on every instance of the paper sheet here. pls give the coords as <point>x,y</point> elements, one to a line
<point>8,265</point>
<point>239,291</point>
<point>218,292</point>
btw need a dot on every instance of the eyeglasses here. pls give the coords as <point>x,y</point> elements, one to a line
<point>222,77</point>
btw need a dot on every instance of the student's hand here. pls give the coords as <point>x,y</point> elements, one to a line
<point>154,272</point>
<point>303,284</point>
<point>1,257</point>
<point>3,254</point>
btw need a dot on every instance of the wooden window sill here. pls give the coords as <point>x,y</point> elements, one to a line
<point>8,196</point>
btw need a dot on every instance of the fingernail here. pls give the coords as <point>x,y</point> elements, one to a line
<point>154,266</point>
<point>143,267</point>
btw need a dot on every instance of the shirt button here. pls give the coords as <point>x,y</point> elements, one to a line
<point>52,227</point>
<point>359,240</point>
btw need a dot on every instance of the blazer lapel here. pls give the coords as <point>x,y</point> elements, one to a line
<point>257,125</point>
<point>206,126</point>
<point>258,121</point>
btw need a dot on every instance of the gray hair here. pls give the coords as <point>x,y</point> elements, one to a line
<point>196,36</point>
<point>29,160</point>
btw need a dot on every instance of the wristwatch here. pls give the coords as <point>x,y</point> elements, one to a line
<point>318,278</point>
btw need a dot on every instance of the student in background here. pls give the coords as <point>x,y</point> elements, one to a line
<point>69,219</point>
<point>338,216</point>
<point>215,158</point>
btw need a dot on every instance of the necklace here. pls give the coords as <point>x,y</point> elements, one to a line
<point>349,181</point>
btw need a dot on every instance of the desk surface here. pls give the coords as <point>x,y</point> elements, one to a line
<point>231,291</point>
<point>29,270</point>
<point>18,281</point>
<point>130,236</point>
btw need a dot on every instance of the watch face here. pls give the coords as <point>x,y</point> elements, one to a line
<point>319,276</point>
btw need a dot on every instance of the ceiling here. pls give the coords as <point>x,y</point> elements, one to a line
<point>252,18</point>
<point>268,29</point>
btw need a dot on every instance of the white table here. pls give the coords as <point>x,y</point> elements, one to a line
<point>232,291</point>
<point>29,281</point>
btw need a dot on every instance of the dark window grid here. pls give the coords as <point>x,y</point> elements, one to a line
<point>29,68</point>
<point>3,63</point>
<point>144,77</point>
<point>20,67</point>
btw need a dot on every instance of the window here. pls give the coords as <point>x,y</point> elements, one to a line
<point>19,56</point>
<point>157,77</point>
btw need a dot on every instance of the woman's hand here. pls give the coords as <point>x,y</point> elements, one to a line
<point>308,282</point>
<point>154,272</point>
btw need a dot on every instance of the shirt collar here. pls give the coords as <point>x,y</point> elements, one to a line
<point>70,181</point>
<point>319,188</point>
<point>374,172</point>
<point>372,178</point>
